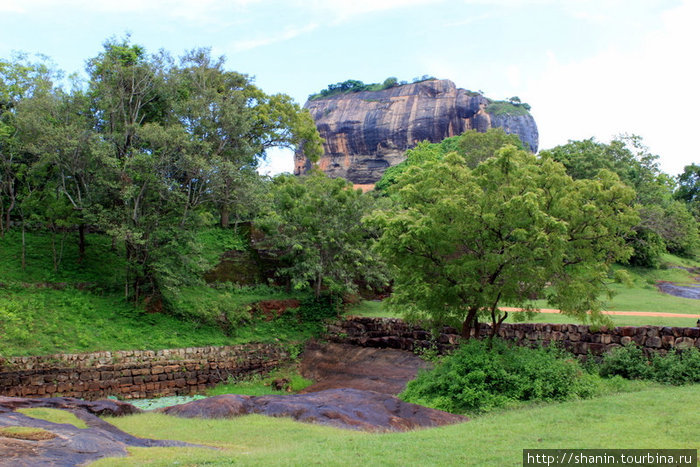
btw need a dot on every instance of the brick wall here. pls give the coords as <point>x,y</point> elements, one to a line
<point>135,373</point>
<point>579,339</point>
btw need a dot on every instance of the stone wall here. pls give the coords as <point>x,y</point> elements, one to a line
<point>135,373</point>
<point>577,338</point>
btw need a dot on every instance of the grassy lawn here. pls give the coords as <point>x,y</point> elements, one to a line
<point>658,417</point>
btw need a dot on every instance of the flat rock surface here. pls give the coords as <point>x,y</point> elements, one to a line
<point>104,407</point>
<point>342,408</point>
<point>65,445</point>
<point>335,366</point>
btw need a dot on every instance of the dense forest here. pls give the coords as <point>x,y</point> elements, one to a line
<point>150,151</point>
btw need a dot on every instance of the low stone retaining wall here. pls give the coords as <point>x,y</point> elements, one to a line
<point>577,338</point>
<point>135,373</point>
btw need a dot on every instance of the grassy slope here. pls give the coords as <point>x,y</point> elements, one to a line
<point>35,320</point>
<point>656,417</point>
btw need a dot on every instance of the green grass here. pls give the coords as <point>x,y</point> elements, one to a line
<point>258,385</point>
<point>54,416</point>
<point>80,308</point>
<point>506,108</point>
<point>656,417</point>
<point>101,269</point>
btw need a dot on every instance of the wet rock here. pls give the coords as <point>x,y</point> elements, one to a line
<point>685,290</point>
<point>335,366</point>
<point>104,407</point>
<point>70,446</point>
<point>341,408</point>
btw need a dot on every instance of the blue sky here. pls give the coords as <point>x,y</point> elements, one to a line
<point>588,67</point>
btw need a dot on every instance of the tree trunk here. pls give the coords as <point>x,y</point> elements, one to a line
<point>225,217</point>
<point>81,242</point>
<point>53,250</point>
<point>468,322</point>
<point>496,324</point>
<point>317,291</point>
<point>24,248</point>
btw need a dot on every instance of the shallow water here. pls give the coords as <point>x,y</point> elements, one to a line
<point>157,403</point>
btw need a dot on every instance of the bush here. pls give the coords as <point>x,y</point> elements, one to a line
<point>628,361</point>
<point>676,367</point>
<point>477,378</point>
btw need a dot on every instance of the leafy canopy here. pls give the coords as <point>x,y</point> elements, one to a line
<point>315,224</point>
<point>474,146</point>
<point>461,242</point>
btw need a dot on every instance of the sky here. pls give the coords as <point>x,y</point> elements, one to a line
<point>588,68</point>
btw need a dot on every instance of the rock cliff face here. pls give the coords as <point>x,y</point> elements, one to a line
<point>367,132</point>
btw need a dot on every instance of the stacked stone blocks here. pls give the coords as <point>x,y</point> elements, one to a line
<point>577,338</point>
<point>134,373</point>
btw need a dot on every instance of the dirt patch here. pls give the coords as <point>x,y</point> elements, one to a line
<point>28,434</point>
<point>272,309</point>
<point>348,366</point>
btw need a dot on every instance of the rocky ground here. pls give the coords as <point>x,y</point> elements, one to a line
<point>60,444</point>
<point>685,289</point>
<point>355,389</point>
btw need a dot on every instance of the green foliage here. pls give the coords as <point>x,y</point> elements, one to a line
<point>661,218</point>
<point>508,108</point>
<point>628,361</point>
<point>353,85</point>
<point>148,152</point>
<point>474,146</point>
<point>315,225</point>
<point>677,367</point>
<point>648,247</point>
<point>101,268</point>
<point>461,242</point>
<point>260,385</point>
<point>481,376</point>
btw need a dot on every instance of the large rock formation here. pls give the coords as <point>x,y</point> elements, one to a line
<point>367,132</point>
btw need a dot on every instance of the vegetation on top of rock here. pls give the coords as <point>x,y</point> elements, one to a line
<point>353,85</point>
<point>507,108</point>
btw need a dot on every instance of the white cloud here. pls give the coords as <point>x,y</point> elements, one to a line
<point>341,10</point>
<point>513,74</point>
<point>278,160</point>
<point>650,92</point>
<point>287,34</point>
<point>201,11</point>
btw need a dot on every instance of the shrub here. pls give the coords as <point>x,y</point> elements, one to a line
<point>676,367</point>
<point>478,378</point>
<point>628,361</point>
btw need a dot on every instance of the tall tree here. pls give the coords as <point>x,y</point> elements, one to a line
<point>232,123</point>
<point>462,242</point>
<point>661,219</point>
<point>20,78</point>
<point>315,223</point>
